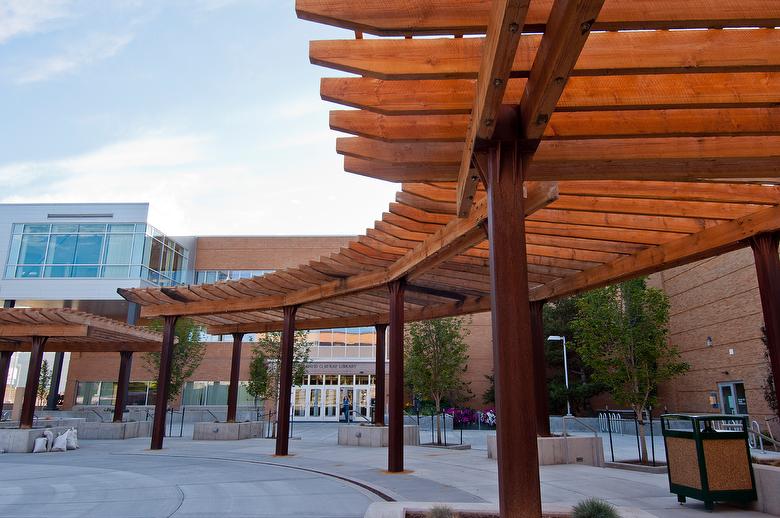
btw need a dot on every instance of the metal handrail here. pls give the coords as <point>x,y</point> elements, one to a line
<point>583,423</point>
<point>762,437</point>
<point>97,414</point>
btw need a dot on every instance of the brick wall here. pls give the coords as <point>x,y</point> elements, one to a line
<point>718,298</point>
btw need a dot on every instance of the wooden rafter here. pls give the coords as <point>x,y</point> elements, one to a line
<point>505,25</point>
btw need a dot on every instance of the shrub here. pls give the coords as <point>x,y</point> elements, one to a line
<point>441,511</point>
<point>594,508</point>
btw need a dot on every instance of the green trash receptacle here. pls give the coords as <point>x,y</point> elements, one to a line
<point>708,456</point>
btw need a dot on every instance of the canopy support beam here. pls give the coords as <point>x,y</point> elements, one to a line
<point>285,381</point>
<point>5,363</point>
<point>31,388</point>
<point>235,372</point>
<point>379,375</point>
<point>395,443</point>
<point>519,493</point>
<point>768,273</point>
<point>54,386</point>
<point>540,368</point>
<point>123,384</point>
<point>163,382</point>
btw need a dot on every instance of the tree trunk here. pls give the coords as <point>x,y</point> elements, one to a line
<point>438,421</point>
<point>640,416</point>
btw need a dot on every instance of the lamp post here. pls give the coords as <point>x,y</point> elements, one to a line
<point>565,371</point>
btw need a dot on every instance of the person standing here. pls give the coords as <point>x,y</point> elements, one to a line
<point>345,404</point>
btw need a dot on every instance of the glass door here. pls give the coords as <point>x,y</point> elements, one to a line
<point>299,402</point>
<point>331,406</point>
<point>733,398</point>
<point>346,393</point>
<point>315,403</point>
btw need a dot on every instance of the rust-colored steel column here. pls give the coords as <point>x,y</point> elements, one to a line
<point>379,376</point>
<point>540,369</point>
<point>235,371</point>
<point>768,272</point>
<point>285,381</point>
<point>5,363</point>
<point>395,439</point>
<point>122,384</point>
<point>33,375</point>
<point>163,382</point>
<point>513,351</point>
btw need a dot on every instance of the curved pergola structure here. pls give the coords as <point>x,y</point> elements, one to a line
<point>543,148</point>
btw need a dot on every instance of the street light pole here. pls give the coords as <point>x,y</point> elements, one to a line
<point>565,371</point>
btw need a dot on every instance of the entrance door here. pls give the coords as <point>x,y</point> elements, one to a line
<point>331,404</point>
<point>315,403</point>
<point>733,399</point>
<point>348,393</point>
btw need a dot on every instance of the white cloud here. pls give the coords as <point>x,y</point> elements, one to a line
<point>95,48</point>
<point>192,191</point>
<point>19,17</point>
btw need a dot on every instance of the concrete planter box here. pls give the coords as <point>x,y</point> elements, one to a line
<point>114,431</point>
<point>375,436</point>
<point>16,440</point>
<point>767,484</point>
<point>562,450</point>
<point>227,431</point>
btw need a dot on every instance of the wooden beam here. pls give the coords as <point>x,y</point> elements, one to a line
<point>756,169</point>
<point>570,125</point>
<point>468,306</point>
<point>455,237</point>
<point>505,25</point>
<point>605,53</point>
<point>28,330</point>
<point>401,18</point>
<point>567,30</point>
<point>53,345</point>
<point>635,92</point>
<point>709,242</point>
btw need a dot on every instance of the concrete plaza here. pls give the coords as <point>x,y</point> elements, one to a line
<point>243,479</point>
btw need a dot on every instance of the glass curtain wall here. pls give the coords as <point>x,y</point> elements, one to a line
<point>96,250</point>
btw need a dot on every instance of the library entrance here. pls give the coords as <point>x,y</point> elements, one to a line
<point>321,397</point>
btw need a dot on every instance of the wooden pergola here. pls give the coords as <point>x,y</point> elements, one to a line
<point>67,330</point>
<point>543,148</point>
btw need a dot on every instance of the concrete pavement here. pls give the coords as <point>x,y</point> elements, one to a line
<point>243,478</point>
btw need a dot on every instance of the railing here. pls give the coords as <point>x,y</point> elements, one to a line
<point>613,421</point>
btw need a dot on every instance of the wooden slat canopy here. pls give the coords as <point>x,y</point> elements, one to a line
<point>69,330</point>
<point>653,134</point>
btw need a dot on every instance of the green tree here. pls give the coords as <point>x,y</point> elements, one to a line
<point>436,360</point>
<point>557,320</point>
<point>44,380</point>
<point>266,357</point>
<point>188,352</point>
<point>621,333</point>
<point>489,396</point>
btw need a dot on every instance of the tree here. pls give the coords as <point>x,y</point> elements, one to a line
<point>489,396</point>
<point>769,384</point>
<point>557,320</point>
<point>44,380</point>
<point>266,358</point>
<point>436,360</point>
<point>188,352</point>
<point>621,333</point>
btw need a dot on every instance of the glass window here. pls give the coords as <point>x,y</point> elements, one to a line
<point>107,393</point>
<point>87,392</point>
<point>62,251</point>
<point>122,227</point>
<point>36,229</point>
<point>64,229</point>
<point>33,249</point>
<point>92,227</point>
<point>217,393</point>
<point>136,392</point>
<point>88,248</point>
<point>194,393</point>
<point>119,249</point>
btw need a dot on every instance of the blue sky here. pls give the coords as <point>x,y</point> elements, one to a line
<point>207,109</point>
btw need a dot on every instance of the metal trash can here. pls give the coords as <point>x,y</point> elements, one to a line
<point>709,458</point>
